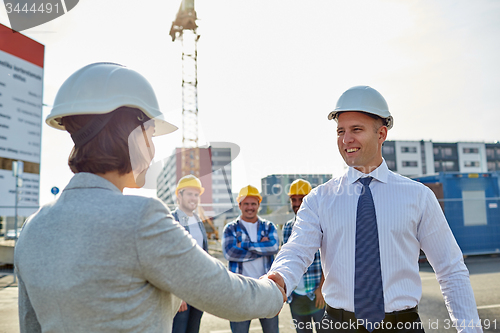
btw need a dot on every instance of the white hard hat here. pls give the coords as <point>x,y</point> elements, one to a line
<point>101,88</point>
<point>364,99</point>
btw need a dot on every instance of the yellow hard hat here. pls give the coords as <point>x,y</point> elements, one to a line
<point>189,181</point>
<point>248,191</point>
<point>300,187</point>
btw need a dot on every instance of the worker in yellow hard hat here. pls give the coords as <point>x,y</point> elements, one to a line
<point>249,244</point>
<point>188,192</point>
<point>307,304</point>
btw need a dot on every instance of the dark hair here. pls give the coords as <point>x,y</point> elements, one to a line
<point>108,150</point>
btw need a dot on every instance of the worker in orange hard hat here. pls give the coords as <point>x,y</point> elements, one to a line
<point>307,304</point>
<point>249,244</point>
<point>188,192</point>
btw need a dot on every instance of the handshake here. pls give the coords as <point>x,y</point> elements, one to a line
<point>278,280</point>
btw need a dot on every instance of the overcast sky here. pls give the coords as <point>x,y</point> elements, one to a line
<point>269,73</point>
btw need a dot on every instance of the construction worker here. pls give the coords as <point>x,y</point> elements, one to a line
<point>188,192</point>
<point>307,304</point>
<point>249,244</point>
<point>371,224</point>
<point>96,260</point>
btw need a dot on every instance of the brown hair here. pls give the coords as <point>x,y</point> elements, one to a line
<point>379,121</point>
<point>108,150</point>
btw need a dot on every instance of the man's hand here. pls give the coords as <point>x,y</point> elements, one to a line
<point>320,301</point>
<point>279,285</point>
<point>278,279</point>
<point>264,239</point>
<point>183,307</point>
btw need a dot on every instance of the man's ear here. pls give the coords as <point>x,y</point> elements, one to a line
<point>382,134</point>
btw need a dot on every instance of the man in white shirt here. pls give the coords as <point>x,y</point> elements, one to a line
<point>188,191</point>
<point>406,218</point>
<point>249,244</point>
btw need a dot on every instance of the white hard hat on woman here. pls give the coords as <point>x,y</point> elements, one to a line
<point>109,262</point>
<point>101,92</point>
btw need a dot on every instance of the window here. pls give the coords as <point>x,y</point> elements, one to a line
<point>408,149</point>
<point>447,151</point>
<point>390,164</point>
<point>221,153</point>
<point>490,152</point>
<point>410,163</point>
<point>445,166</point>
<point>448,165</point>
<point>388,150</point>
<point>219,163</point>
<point>491,166</point>
<point>471,150</point>
<point>470,164</point>
<point>443,151</point>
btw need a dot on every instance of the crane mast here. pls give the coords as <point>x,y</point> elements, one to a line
<point>184,29</point>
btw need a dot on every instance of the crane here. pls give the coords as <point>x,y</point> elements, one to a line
<point>184,29</point>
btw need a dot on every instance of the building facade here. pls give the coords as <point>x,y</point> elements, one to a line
<point>420,158</point>
<point>215,176</point>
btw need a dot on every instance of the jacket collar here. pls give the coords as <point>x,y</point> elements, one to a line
<point>90,180</point>
<point>183,216</point>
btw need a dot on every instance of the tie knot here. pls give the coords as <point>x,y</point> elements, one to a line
<point>365,181</point>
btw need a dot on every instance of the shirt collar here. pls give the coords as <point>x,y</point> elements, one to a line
<point>241,220</point>
<point>183,215</point>
<point>381,174</point>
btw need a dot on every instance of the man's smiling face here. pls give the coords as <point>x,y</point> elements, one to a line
<point>360,138</point>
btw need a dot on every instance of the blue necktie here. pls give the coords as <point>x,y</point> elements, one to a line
<point>368,290</point>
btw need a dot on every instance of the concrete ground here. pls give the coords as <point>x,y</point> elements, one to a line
<point>484,274</point>
<point>8,305</point>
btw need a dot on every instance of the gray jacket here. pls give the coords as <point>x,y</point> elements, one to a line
<point>96,260</point>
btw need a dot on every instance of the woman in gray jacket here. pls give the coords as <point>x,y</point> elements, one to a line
<point>96,260</point>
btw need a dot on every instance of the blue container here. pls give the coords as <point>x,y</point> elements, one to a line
<point>472,207</point>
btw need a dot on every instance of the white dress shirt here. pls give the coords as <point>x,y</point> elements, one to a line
<point>409,218</point>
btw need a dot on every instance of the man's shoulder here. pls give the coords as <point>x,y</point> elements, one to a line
<point>289,223</point>
<point>175,214</point>
<point>266,222</point>
<point>331,187</point>
<point>400,180</point>
<point>232,224</point>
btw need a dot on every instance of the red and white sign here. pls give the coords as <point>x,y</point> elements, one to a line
<point>21,89</point>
